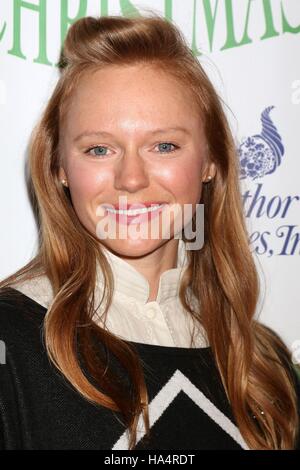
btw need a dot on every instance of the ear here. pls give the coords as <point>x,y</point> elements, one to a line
<point>62,174</point>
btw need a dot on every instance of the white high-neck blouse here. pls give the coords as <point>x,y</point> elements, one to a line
<point>162,322</point>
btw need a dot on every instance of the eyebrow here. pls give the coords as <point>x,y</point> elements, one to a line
<point>108,134</point>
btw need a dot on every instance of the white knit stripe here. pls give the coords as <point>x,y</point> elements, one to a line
<point>177,383</point>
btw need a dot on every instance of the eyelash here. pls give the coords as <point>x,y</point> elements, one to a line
<point>159,143</point>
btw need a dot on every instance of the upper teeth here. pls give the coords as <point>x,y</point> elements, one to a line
<point>134,211</point>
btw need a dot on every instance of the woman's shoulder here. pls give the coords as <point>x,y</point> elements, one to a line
<point>296,377</point>
<point>37,288</point>
<point>295,369</point>
<point>18,313</point>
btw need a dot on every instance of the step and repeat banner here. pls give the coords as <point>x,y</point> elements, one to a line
<point>250,50</point>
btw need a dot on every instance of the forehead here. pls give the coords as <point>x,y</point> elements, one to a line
<point>139,92</point>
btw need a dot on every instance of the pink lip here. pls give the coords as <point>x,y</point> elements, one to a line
<point>125,219</point>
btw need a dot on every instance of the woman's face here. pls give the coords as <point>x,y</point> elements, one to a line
<point>110,147</point>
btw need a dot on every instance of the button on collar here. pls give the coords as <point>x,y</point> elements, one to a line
<point>150,311</point>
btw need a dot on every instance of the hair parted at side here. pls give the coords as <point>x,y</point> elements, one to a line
<point>253,361</point>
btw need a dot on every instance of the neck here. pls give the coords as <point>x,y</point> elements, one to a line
<point>152,265</point>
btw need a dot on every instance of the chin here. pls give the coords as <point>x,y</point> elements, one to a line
<point>132,248</point>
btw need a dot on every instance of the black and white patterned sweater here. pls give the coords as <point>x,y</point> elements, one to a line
<point>39,409</point>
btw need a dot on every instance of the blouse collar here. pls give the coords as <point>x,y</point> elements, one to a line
<point>132,284</point>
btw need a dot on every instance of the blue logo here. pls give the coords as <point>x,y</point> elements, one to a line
<point>261,154</point>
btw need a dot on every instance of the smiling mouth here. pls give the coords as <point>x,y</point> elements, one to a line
<point>135,212</point>
<point>135,216</point>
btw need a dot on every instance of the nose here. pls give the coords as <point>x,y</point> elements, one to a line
<point>131,174</point>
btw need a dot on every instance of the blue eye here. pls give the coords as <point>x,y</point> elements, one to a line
<point>99,150</point>
<point>96,154</point>
<point>166,145</point>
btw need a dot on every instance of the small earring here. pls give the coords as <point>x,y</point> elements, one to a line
<point>209,178</point>
<point>64,182</point>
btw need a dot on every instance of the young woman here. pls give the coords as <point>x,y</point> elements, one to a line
<point>138,342</point>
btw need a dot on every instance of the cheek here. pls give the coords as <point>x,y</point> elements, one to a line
<point>184,181</point>
<point>86,182</point>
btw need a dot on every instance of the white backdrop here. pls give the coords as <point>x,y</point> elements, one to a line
<point>250,49</point>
